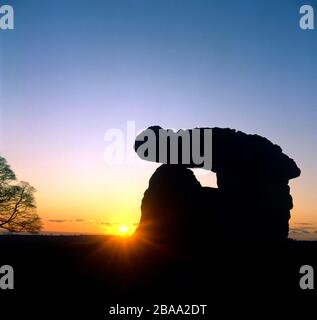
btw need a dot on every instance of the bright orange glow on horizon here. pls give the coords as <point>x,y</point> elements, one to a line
<point>97,200</point>
<point>123,230</point>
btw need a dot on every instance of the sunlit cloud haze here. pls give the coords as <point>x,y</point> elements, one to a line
<point>72,70</point>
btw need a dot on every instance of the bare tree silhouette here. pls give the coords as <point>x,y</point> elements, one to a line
<point>17,203</point>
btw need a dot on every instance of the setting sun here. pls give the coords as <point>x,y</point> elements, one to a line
<point>123,230</point>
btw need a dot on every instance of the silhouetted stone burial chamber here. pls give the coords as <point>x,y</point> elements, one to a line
<point>252,201</point>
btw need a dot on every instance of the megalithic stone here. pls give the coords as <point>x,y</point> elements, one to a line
<point>232,151</point>
<point>253,199</point>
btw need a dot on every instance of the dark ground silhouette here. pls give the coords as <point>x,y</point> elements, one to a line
<point>78,277</point>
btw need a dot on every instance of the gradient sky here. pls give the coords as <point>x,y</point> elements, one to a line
<point>71,70</point>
